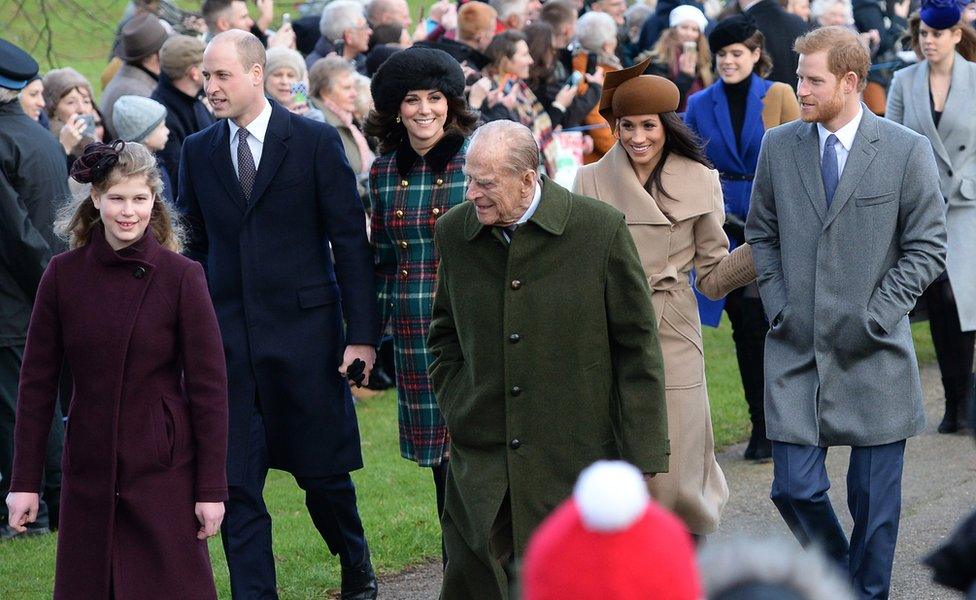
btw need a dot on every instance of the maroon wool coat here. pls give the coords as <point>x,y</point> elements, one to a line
<point>147,424</point>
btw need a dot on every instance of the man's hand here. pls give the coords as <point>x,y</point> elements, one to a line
<point>365,353</point>
<point>283,38</point>
<point>267,13</point>
<point>22,509</point>
<point>210,515</point>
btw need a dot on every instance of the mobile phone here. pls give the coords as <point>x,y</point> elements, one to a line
<point>286,19</point>
<point>299,92</point>
<point>89,121</point>
<point>689,46</point>
<point>574,79</point>
<point>509,83</point>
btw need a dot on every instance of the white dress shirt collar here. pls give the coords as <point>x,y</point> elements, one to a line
<point>258,127</point>
<point>532,207</point>
<point>845,135</point>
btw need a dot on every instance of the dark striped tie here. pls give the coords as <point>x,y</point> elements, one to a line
<point>245,164</point>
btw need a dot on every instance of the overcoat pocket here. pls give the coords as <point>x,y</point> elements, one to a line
<point>168,432</point>
<point>875,200</point>
<point>317,295</point>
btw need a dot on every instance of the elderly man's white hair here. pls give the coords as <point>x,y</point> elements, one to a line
<point>507,8</point>
<point>725,566</point>
<point>512,143</point>
<point>594,29</point>
<point>338,17</point>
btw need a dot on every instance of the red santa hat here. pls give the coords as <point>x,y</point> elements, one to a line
<point>610,541</point>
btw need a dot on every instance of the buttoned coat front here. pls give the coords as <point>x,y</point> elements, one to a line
<point>286,308</point>
<point>146,434</point>
<point>673,236</point>
<point>545,360</point>
<point>954,143</point>
<point>837,283</point>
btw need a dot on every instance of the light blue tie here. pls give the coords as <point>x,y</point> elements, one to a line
<point>828,168</point>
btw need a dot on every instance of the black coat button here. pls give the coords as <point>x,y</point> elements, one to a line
<point>950,172</point>
<point>139,272</point>
<point>515,444</point>
<point>514,338</point>
<point>516,390</point>
<point>961,148</point>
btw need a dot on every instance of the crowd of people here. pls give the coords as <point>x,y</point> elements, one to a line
<point>517,214</point>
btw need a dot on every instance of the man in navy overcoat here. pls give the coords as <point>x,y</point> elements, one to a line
<point>269,199</point>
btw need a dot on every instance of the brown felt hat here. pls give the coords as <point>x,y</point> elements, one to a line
<point>629,92</point>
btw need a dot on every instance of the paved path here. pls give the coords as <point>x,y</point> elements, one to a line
<point>939,488</point>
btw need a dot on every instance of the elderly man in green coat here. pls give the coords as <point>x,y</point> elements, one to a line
<point>546,355</point>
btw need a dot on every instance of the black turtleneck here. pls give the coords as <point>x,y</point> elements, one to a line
<point>737,94</point>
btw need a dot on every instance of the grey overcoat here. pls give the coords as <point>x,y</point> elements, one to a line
<point>837,284</point>
<point>954,143</point>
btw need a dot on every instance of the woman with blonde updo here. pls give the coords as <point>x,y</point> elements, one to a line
<point>145,450</point>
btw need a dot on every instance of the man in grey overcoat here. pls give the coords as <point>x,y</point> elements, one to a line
<point>847,229</point>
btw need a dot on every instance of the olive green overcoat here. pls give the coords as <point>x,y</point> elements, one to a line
<point>546,359</point>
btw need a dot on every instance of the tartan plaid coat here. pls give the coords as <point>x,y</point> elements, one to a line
<point>408,194</point>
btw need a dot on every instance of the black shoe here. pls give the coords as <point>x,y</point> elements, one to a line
<point>950,422</point>
<point>759,448</point>
<point>359,583</point>
<point>7,532</point>
<point>750,453</point>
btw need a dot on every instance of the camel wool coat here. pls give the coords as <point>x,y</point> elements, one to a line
<point>674,236</point>
<point>146,436</point>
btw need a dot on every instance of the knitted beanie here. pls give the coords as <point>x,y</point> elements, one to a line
<point>610,541</point>
<point>135,117</point>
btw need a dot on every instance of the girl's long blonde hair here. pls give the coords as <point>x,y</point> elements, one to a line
<point>666,52</point>
<point>77,219</point>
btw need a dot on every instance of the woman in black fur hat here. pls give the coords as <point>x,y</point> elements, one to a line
<point>422,122</point>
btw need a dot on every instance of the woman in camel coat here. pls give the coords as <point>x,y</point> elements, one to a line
<point>677,227</point>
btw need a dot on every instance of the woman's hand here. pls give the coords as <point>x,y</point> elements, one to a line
<point>596,77</point>
<point>209,514</point>
<point>22,509</point>
<point>565,96</point>
<point>688,63</point>
<point>479,91</point>
<point>71,133</point>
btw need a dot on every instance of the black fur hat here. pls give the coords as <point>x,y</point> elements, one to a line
<point>415,69</point>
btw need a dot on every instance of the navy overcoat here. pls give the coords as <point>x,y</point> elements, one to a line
<point>280,298</point>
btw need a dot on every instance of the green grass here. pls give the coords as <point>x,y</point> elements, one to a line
<point>396,498</point>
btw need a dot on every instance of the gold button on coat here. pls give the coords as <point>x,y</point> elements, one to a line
<point>516,284</point>
<point>404,183</point>
<point>439,181</point>
<point>399,214</point>
<point>403,245</point>
<point>403,272</point>
<point>436,211</point>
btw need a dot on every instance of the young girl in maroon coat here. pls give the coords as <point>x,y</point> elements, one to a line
<point>146,441</point>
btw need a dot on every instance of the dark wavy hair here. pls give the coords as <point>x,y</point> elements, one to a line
<point>391,134</point>
<point>678,139</point>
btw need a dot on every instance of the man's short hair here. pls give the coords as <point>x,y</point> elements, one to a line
<point>594,29</point>
<point>474,18</point>
<point>845,51</point>
<point>213,10</point>
<point>338,17</point>
<point>512,140</point>
<point>178,54</point>
<point>558,13</point>
<point>376,10</point>
<point>507,8</point>
<point>249,48</point>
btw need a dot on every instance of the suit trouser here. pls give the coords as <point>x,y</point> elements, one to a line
<point>246,531</point>
<point>11,358</point>
<point>799,491</point>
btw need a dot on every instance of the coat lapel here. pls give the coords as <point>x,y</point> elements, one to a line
<point>753,127</point>
<point>274,151</point>
<point>720,108</point>
<point>806,152</point>
<point>859,159</point>
<point>220,157</point>
<point>619,181</point>
<point>956,105</point>
<point>922,106</point>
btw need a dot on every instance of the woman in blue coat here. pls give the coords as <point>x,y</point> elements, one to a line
<point>731,116</point>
